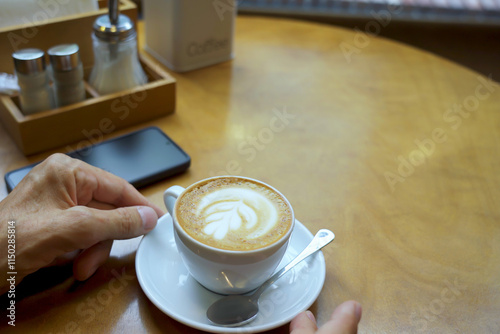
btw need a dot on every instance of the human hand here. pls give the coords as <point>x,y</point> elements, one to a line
<point>344,320</point>
<point>65,207</point>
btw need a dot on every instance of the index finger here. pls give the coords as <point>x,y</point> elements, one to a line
<point>95,184</point>
<point>111,189</point>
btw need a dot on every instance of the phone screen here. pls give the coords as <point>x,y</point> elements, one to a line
<point>140,157</point>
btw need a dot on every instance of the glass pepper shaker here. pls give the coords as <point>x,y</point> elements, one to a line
<point>116,62</point>
<point>67,74</point>
<point>32,78</point>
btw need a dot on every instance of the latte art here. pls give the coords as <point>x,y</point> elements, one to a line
<point>234,213</point>
<point>235,208</point>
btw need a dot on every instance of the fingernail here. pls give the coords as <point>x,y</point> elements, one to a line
<point>148,216</point>
<point>310,315</point>
<point>358,310</point>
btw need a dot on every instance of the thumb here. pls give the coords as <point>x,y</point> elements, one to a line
<point>119,223</point>
<point>131,222</point>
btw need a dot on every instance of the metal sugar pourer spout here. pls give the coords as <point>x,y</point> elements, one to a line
<point>114,28</point>
<point>114,11</point>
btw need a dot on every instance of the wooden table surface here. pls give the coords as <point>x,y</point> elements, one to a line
<point>394,149</point>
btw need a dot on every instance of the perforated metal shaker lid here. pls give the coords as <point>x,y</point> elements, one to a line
<point>29,61</point>
<point>64,57</point>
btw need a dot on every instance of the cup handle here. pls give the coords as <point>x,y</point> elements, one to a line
<point>170,196</point>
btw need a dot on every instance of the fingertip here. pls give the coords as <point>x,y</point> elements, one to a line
<point>350,307</point>
<point>81,276</point>
<point>311,316</point>
<point>149,217</point>
<point>83,271</point>
<point>345,318</point>
<point>304,322</point>
<point>88,261</point>
<point>159,212</point>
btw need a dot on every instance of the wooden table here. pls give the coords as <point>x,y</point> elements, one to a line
<point>394,149</point>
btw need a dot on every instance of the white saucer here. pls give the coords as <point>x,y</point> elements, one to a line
<point>167,283</point>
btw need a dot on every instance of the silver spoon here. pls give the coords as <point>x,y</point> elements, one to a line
<point>237,310</point>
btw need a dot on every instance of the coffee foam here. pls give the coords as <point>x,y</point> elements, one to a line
<point>232,213</point>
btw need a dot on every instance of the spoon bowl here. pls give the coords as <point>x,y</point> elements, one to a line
<point>238,310</point>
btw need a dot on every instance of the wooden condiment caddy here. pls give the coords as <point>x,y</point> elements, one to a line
<point>80,122</point>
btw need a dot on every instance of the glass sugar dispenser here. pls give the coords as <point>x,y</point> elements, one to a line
<point>116,61</point>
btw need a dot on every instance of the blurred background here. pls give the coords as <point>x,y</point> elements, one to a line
<point>464,31</point>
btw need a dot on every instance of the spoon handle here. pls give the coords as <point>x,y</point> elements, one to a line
<point>320,240</point>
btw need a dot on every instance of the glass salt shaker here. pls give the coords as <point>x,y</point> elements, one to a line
<point>116,62</point>
<point>35,92</point>
<point>67,74</point>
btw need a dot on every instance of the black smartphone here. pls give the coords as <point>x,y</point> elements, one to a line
<point>141,157</point>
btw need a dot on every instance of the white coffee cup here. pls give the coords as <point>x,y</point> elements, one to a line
<point>227,271</point>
